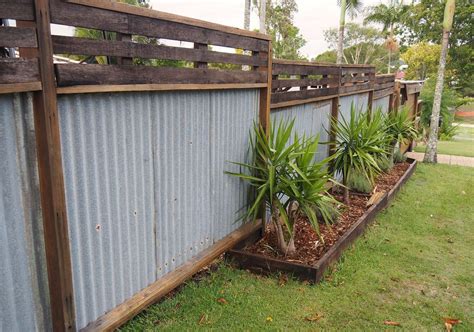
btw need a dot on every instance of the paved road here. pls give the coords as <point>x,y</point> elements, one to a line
<point>445,159</point>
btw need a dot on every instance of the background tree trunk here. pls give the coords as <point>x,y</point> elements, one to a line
<point>431,147</point>
<point>263,15</point>
<point>247,15</point>
<point>340,41</point>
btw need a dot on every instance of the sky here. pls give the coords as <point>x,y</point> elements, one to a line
<point>313,17</point>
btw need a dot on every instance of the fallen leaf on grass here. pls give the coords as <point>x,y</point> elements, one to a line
<point>221,300</point>
<point>391,323</point>
<point>269,319</point>
<point>202,319</point>
<point>315,317</point>
<point>450,322</point>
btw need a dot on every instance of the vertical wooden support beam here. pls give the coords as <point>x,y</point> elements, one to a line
<point>265,93</point>
<point>396,96</point>
<point>123,60</point>
<point>53,200</point>
<point>332,130</point>
<point>199,46</point>
<point>303,87</point>
<point>370,102</point>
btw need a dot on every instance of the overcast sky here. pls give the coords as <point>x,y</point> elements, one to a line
<point>312,18</point>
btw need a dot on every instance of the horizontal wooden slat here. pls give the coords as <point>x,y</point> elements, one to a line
<point>357,70</point>
<point>275,106</point>
<point>385,78</point>
<point>156,87</point>
<point>412,88</point>
<point>18,71</point>
<point>302,94</point>
<point>17,11</point>
<point>303,82</point>
<point>78,74</point>
<point>140,11</point>
<point>20,87</point>
<point>382,86</point>
<point>355,88</point>
<point>358,78</point>
<point>83,46</point>
<point>279,69</point>
<point>383,93</point>
<point>88,17</point>
<point>18,37</point>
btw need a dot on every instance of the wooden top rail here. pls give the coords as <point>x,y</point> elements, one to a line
<point>18,74</point>
<point>356,78</point>
<point>299,82</point>
<point>384,85</point>
<point>131,26</point>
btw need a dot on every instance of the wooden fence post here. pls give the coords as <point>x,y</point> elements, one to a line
<point>265,93</point>
<point>53,200</point>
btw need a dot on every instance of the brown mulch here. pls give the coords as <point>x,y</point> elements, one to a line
<point>309,246</point>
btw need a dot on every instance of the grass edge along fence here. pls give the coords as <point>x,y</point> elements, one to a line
<point>279,85</point>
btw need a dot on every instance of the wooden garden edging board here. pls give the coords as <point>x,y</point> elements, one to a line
<point>263,264</point>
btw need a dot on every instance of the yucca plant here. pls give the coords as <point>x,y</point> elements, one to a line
<point>287,180</point>
<point>359,141</point>
<point>400,127</point>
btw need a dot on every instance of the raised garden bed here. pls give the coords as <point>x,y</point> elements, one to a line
<point>254,254</point>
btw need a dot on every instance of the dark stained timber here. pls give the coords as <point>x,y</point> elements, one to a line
<point>18,37</point>
<point>19,71</point>
<point>84,46</point>
<point>79,74</point>
<point>302,94</point>
<point>95,18</point>
<point>17,10</point>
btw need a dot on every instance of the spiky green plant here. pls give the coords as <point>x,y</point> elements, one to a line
<point>400,127</point>
<point>287,180</point>
<point>359,141</point>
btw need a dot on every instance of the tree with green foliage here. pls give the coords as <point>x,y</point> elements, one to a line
<point>286,37</point>
<point>422,60</point>
<point>352,7</point>
<point>390,17</point>
<point>364,45</point>
<point>424,22</point>
<point>431,147</point>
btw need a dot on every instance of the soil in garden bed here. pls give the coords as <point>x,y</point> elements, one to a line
<point>309,247</point>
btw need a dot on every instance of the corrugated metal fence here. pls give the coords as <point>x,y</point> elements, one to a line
<point>145,184</point>
<point>24,302</point>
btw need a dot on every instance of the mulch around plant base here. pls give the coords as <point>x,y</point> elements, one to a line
<point>309,247</point>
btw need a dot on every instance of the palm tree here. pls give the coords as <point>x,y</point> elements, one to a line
<point>431,147</point>
<point>352,7</point>
<point>389,16</point>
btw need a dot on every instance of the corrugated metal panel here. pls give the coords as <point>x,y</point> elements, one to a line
<point>24,302</point>
<point>310,119</point>
<point>145,184</point>
<point>360,102</point>
<point>382,103</point>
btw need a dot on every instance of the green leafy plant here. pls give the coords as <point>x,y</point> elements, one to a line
<point>360,140</point>
<point>287,180</point>
<point>399,126</point>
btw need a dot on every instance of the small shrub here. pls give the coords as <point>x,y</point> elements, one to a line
<point>385,163</point>
<point>399,157</point>
<point>358,182</point>
<point>360,141</point>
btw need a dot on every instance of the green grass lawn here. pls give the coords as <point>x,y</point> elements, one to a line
<point>461,145</point>
<point>414,265</point>
<point>455,148</point>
